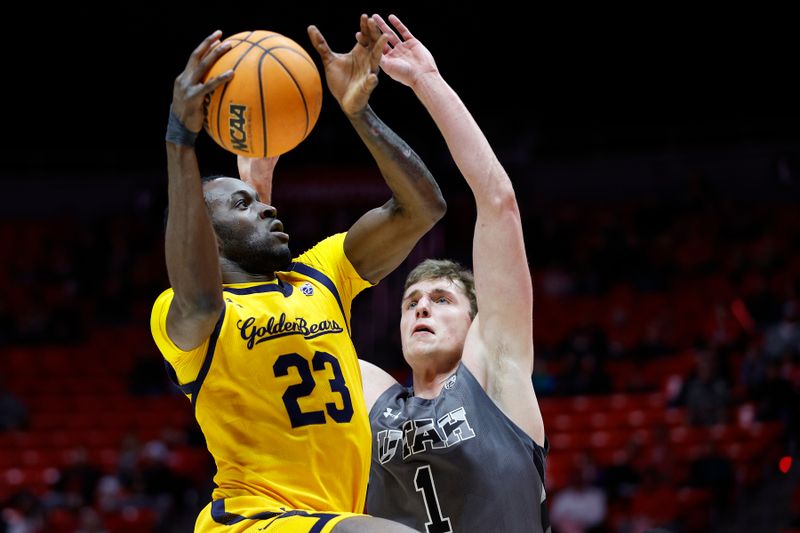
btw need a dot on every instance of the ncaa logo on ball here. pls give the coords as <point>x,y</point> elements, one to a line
<point>273,101</point>
<point>237,124</point>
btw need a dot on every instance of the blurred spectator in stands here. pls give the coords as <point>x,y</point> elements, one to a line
<point>619,330</point>
<point>76,483</point>
<point>778,399</point>
<point>722,330</point>
<point>117,292</point>
<point>172,436</point>
<point>124,488</point>
<point>164,488</point>
<point>32,318</point>
<point>544,382</point>
<point>620,478</point>
<point>653,504</point>
<point>586,377</point>
<point>652,345</point>
<point>90,521</point>
<point>156,474</point>
<point>761,302</point>
<point>783,338</point>
<point>110,494</point>
<point>775,397</point>
<point>704,393</point>
<point>654,342</point>
<point>65,324</point>
<point>586,338</point>
<point>22,513</point>
<point>13,413</point>
<point>752,370</point>
<point>659,455</point>
<point>581,506</point>
<point>128,462</point>
<point>556,282</point>
<point>582,354</point>
<point>712,470</point>
<point>638,381</point>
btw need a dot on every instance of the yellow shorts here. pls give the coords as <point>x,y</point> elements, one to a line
<point>249,513</point>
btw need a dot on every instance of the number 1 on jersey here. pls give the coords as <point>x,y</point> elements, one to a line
<point>423,482</point>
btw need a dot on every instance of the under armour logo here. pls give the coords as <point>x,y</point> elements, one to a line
<point>307,289</point>
<point>389,413</point>
<point>451,381</point>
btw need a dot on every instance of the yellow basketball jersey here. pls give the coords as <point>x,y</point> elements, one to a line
<point>276,389</point>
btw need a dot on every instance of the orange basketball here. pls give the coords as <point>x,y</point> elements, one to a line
<point>273,100</point>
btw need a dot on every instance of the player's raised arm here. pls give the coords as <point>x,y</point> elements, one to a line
<point>499,347</point>
<point>381,239</point>
<point>190,242</point>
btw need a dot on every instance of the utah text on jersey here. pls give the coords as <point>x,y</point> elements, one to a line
<point>425,434</point>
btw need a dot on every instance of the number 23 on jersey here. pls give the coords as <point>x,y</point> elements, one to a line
<point>313,374</point>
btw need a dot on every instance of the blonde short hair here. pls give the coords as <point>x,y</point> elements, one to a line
<point>447,269</point>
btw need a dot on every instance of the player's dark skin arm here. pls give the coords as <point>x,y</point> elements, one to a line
<point>190,242</point>
<point>381,239</point>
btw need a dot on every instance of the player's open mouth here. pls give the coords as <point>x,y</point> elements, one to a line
<point>422,329</point>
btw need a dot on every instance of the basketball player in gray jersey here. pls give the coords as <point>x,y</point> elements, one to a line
<point>464,449</point>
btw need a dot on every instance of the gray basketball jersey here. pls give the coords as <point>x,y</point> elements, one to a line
<point>454,463</point>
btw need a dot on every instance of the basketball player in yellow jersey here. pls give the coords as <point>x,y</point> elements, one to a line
<point>260,343</point>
